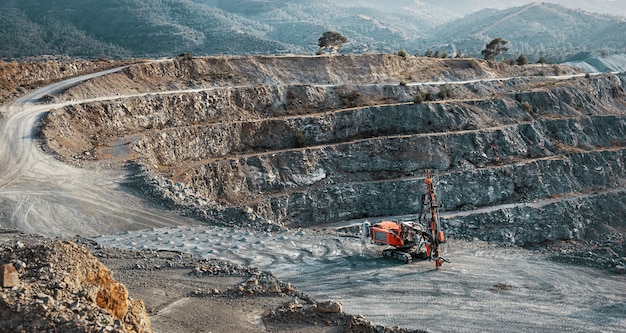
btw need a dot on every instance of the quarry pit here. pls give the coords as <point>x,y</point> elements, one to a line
<point>274,153</point>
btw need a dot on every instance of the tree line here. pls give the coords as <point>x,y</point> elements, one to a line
<point>332,41</point>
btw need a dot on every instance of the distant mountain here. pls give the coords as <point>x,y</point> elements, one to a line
<point>536,29</point>
<point>590,64</point>
<point>462,8</point>
<point>156,28</point>
<point>152,28</point>
<point>368,26</point>
<point>119,28</point>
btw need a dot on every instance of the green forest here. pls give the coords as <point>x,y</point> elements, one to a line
<point>165,28</point>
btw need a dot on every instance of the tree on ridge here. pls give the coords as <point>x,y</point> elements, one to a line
<point>495,48</point>
<point>331,41</point>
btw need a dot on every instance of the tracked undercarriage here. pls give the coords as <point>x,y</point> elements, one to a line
<point>411,240</point>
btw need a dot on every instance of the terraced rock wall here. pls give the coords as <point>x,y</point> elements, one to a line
<point>524,160</point>
<point>358,70</point>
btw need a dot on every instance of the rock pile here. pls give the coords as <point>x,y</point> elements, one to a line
<point>327,314</point>
<point>63,288</point>
<point>608,251</point>
<point>259,283</point>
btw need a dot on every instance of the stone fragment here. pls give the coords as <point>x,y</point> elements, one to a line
<point>274,289</point>
<point>8,276</point>
<point>329,307</point>
<point>20,265</point>
<point>620,269</point>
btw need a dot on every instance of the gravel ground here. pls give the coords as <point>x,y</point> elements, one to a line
<point>486,287</point>
<point>181,293</point>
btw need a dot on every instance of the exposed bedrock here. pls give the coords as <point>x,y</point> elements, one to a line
<point>536,223</point>
<point>359,70</point>
<point>528,154</point>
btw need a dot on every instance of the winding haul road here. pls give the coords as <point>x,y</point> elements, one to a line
<point>43,195</point>
<point>485,288</point>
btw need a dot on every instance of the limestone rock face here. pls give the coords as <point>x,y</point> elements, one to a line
<point>492,153</point>
<point>306,141</point>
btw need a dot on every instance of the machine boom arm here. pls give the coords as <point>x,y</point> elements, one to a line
<point>407,238</point>
<point>436,236</point>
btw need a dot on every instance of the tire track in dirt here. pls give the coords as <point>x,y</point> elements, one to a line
<point>485,288</point>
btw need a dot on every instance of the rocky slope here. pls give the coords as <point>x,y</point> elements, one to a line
<point>18,77</point>
<point>588,63</point>
<point>62,287</point>
<point>357,70</point>
<point>305,141</point>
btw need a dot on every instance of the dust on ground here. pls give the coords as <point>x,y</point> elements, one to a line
<point>57,290</point>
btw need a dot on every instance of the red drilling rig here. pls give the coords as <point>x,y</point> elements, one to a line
<point>411,240</point>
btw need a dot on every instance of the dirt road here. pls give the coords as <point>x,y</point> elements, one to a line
<point>485,288</point>
<point>42,195</point>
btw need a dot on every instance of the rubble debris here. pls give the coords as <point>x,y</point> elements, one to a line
<point>64,288</point>
<point>310,313</point>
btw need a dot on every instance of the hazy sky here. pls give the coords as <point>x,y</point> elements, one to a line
<point>464,7</point>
